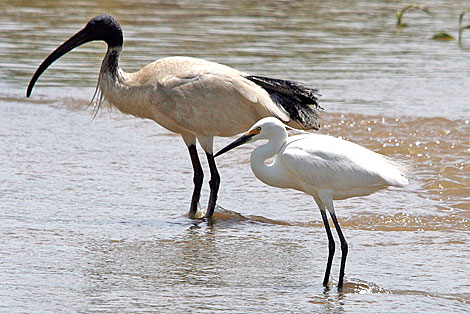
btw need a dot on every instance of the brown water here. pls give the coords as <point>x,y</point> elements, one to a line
<point>93,213</point>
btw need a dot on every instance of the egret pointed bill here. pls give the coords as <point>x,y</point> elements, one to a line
<point>240,141</point>
<point>102,27</point>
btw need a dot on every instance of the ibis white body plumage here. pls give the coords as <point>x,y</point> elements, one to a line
<point>179,93</point>
<point>196,98</point>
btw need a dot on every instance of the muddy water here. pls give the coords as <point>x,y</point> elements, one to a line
<point>93,212</point>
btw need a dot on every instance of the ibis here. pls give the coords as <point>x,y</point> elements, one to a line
<point>195,98</point>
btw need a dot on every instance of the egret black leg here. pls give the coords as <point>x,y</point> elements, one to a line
<point>214,185</point>
<point>197,179</point>
<point>344,249</point>
<point>331,247</point>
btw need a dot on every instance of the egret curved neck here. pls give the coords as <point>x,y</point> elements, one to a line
<point>269,174</point>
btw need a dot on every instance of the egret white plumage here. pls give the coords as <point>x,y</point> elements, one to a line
<point>325,167</point>
<point>193,97</point>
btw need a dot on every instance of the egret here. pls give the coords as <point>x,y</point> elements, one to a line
<point>195,98</point>
<point>325,167</point>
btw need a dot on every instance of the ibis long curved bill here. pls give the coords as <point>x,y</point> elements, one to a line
<point>76,40</point>
<point>92,31</point>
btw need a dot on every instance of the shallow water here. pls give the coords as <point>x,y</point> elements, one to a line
<point>93,213</point>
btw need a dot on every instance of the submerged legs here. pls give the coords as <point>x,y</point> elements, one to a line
<point>214,184</point>
<point>325,201</point>
<point>344,249</point>
<point>331,247</point>
<point>197,179</point>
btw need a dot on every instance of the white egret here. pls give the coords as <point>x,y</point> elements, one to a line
<point>325,167</point>
<point>193,97</point>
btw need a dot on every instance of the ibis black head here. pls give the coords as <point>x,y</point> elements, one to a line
<point>103,27</point>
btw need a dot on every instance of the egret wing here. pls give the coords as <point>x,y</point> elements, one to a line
<point>325,162</point>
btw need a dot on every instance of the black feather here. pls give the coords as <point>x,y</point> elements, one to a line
<point>299,101</point>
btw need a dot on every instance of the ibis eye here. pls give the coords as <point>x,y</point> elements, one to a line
<point>258,129</point>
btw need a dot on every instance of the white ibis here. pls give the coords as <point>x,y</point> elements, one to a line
<point>193,97</point>
<point>325,167</point>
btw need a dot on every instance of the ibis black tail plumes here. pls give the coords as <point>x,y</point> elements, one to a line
<point>299,101</point>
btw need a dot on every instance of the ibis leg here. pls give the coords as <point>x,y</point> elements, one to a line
<point>197,179</point>
<point>344,249</point>
<point>214,185</point>
<point>331,247</point>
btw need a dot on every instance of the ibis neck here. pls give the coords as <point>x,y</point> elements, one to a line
<point>112,79</point>
<point>119,89</point>
<point>268,173</point>
<point>110,64</point>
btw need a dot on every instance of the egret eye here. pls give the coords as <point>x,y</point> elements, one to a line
<point>258,129</point>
